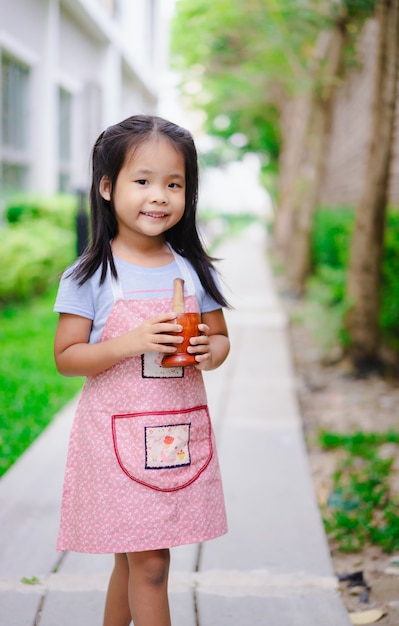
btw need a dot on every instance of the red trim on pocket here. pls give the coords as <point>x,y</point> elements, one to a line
<point>194,477</point>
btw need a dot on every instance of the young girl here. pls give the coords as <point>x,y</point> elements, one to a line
<point>142,473</point>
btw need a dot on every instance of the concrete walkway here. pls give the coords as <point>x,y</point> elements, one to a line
<point>273,568</point>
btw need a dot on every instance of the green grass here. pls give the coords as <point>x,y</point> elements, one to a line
<point>31,390</point>
<point>361,509</point>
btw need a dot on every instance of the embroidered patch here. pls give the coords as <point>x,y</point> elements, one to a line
<point>167,446</point>
<point>151,367</point>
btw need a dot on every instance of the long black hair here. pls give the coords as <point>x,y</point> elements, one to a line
<point>108,157</point>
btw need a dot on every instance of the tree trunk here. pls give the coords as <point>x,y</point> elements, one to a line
<point>306,187</point>
<point>303,156</point>
<point>297,116</point>
<point>295,125</point>
<point>363,287</point>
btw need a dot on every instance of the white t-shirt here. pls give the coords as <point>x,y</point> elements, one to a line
<point>138,283</point>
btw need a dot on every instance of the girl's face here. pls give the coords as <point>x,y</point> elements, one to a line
<point>149,195</point>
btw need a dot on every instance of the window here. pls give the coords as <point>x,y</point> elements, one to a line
<point>64,139</point>
<point>14,153</point>
<point>92,114</point>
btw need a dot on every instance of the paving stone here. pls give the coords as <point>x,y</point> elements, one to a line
<point>18,609</point>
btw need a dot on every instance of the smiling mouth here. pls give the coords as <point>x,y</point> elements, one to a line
<point>155,215</point>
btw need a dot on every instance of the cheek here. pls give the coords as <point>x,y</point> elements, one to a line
<point>183,202</point>
<point>181,212</point>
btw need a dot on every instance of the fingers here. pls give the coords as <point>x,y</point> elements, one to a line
<point>162,317</point>
<point>164,333</point>
<point>163,342</point>
<point>165,328</point>
<point>163,324</point>
<point>200,346</point>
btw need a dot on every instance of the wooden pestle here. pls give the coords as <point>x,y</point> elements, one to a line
<point>189,323</point>
<point>178,295</point>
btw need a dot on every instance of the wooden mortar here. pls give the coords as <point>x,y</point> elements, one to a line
<point>189,322</point>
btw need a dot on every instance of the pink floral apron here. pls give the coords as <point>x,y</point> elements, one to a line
<point>142,470</point>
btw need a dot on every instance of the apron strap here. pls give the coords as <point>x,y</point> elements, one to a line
<point>116,287</point>
<point>182,264</point>
<point>183,267</point>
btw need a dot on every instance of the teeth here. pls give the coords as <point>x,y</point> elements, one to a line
<point>155,214</point>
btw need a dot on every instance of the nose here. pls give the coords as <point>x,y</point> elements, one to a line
<point>159,195</point>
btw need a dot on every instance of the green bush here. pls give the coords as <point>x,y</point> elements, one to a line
<point>33,255</point>
<point>330,247</point>
<point>389,314</point>
<point>59,210</point>
<point>331,236</point>
<point>37,242</point>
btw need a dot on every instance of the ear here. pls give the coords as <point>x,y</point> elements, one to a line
<point>105,188</point>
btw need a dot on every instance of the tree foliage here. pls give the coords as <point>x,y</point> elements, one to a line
<point>269,70</point>
<point>241,60</point>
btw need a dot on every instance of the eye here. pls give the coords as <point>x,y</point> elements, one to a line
<point>141,181</point>
<point>174,186</point>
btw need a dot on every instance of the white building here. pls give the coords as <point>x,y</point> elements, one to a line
<point>70,68</point>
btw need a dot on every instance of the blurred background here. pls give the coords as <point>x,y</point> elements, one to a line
<point>293,106</point>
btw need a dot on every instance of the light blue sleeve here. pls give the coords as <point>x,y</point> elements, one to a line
<point>74,299</point>
<point>206,302</point>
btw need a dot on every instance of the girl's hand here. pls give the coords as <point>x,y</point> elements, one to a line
<point>75,356</point>
<point>154,335</point>
<point>212,346</point>
<point>201,345</point>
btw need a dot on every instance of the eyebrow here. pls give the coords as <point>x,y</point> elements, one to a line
<point>147,172</point>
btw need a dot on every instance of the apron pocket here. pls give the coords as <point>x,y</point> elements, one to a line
<point>164,450</point>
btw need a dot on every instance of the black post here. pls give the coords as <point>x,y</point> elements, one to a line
<point>82,222</point>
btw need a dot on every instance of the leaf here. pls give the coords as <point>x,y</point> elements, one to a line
<point>34,580</point>
<point>367,617</point>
